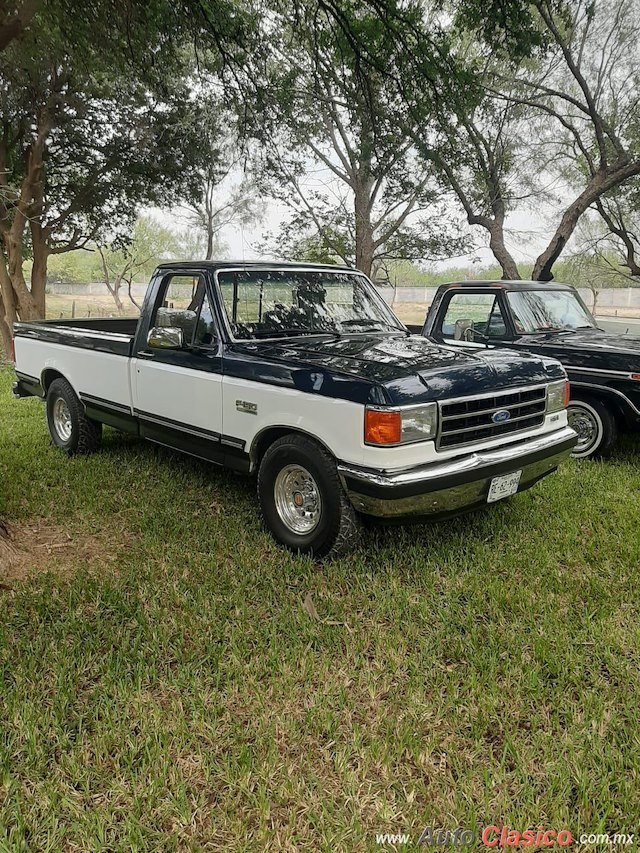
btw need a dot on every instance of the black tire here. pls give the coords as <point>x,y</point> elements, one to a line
<point>337,525</point>
<point>78,434</point>
<point>596,426</point>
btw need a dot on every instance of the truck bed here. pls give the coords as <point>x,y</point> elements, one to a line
<point>92,354</point>
<point>101,334</point>
<point>119,325</point>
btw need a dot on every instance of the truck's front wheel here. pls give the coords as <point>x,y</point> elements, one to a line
<point>595,425</point>
<point>69,427</point>
<point>302,500</point>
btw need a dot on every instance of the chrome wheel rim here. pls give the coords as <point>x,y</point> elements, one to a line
<point>62,419</point>
<point>587,425</point>
<point>297,499</point>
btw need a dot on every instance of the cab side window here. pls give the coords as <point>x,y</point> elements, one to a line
<point>183,303</point>
<point>471,313</point>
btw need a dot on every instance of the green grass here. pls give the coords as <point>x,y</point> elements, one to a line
<point>164,688</point>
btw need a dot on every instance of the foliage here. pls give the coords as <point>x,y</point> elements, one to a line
<point>223,199</point>
<point>563,76</point>
<point>93,128</point>
<point>138,255</point>
<point>333,112</point>
<point>618,239</point>
<point>327,230</point>
<point>74,267</point>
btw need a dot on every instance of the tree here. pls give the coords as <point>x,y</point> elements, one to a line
<point>223,200</point>
<point>325,232</point>
<point>478,154</point>
<point>575,68</point>
<point>620,237</point>
<point>92,128</point>
<point>329,111</point>
<point>76,160</point>
<point>148,245</point>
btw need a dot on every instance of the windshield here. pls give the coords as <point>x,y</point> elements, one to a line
<point>548,311</point>
<point>280,303</point>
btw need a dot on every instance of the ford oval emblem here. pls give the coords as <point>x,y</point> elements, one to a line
<point>500,416</point>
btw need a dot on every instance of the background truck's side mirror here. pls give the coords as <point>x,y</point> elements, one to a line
<point>463,330</point>
<point>165,337</point>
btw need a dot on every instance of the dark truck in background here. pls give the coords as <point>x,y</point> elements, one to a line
<point>548,319</point>
<point>302,375</point>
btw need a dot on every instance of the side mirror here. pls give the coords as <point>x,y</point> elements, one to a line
<point>463,330</point>
<point>165,337</point>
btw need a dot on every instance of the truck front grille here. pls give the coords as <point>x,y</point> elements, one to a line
<point>470,419</point>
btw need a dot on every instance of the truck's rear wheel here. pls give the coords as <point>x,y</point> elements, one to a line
<point>302,500</point>
<point>69,427</point>
<point>595,425</point>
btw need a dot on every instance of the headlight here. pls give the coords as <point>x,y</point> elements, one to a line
<point>400,426</point>
<point>557,395</point>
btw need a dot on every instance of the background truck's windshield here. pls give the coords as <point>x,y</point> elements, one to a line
<point>546,310</point>
<point>271,304</point>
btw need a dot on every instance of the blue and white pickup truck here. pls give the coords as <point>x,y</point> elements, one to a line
<point>303,375</point>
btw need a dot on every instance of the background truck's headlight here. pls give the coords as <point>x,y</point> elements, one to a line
<point>557,395</point>
<point>400,426</point>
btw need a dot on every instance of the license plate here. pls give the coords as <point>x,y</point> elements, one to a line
<point>504,486</point>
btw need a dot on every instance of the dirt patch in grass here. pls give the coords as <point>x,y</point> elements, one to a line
<point>41,546</point>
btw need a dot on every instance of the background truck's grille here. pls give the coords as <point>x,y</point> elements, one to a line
<point>470,419</point>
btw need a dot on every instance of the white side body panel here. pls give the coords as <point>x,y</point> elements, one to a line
<point>191,397</point>
<point>100,374</point>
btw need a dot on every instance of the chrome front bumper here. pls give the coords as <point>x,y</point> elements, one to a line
<point>457,485</point>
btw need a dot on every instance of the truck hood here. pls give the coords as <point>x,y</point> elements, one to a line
<point>408,369</point>
<point>593,348</point>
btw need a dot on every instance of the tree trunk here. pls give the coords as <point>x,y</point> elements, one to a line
<point>209,242</point>
<point>22,298</point>
<point>129,283</point>
<point>5,332</point>
<point>542,269</point>
<point>600,183</point>
<point>8,302</point>
<point>364,230</point>
<point>502,255</point>
<point>115,292</point>
<point>28,303</point>
<point>114,289</point>
<point>41,252</point>
<point>39,280</point>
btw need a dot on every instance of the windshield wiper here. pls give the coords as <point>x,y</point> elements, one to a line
<point>375,326</point>
<point>556,330</point>
<point>365,321</point>
<point>289,333</point>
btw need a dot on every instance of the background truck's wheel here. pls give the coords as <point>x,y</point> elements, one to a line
<point>69,427</point>
<point>595,425</point>
<point>302,500</point>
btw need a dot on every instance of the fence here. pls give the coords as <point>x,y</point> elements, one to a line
<point>93,288</point>
<point>410,303</point>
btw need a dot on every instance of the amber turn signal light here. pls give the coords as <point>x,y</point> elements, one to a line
<point>567,393</point>
<point>382,427</point>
